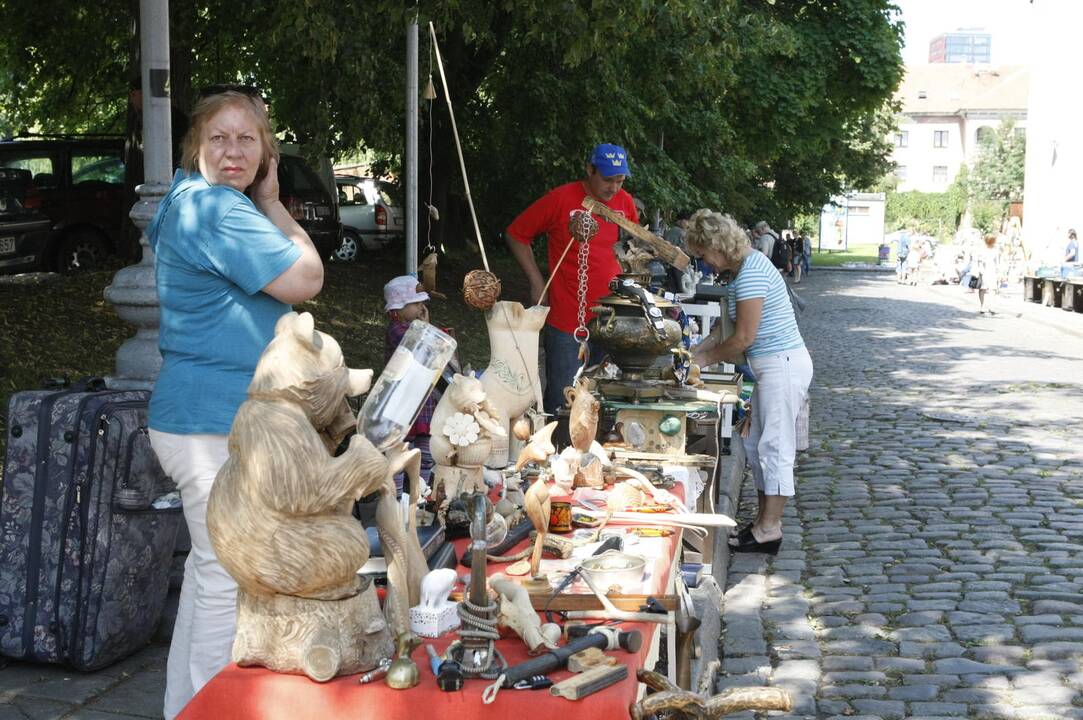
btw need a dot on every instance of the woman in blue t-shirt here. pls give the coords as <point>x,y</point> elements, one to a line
<point>228,266</point>
<point>766,332</point>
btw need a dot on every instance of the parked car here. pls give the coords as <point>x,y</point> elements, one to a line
<point>309,195</point>
<point>77,182</point>
<point>22,230</point>
<point>372,217</point>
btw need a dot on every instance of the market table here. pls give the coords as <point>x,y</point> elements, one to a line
<point>256,693</point>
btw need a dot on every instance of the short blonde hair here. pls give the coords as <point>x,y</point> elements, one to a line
<point>710,230</point>
<point>990,240</point>
<point>206,108</point>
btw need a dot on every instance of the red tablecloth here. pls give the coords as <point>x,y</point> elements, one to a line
<point>239,693</point>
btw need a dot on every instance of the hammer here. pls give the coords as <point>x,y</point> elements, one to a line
<point>604,638</point>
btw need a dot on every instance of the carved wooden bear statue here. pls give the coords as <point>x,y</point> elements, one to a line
<point>279,515</point>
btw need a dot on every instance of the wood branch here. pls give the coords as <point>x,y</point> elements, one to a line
<point>666,251</point>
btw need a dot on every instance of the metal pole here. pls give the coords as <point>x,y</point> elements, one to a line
<point>157,119</point>
<point>411,147</point>
<point>133,293</point>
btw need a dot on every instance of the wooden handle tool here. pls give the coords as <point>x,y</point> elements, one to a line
<point>589,681</point>
<point>666,251</point>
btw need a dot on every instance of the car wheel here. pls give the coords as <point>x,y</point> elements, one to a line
<point>80,251</point>
<point>347,251</point>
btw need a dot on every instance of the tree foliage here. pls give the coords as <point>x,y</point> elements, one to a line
<point>997,178</point>
<point>930,213</point>
<point>762,108</point>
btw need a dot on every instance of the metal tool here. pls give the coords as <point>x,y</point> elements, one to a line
<point>604,637</point>
<point>475,651</point>
<point>376,673</point>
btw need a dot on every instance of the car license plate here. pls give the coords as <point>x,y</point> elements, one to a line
<point>7,245</point>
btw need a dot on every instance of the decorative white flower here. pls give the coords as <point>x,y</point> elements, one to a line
<point>462,429</point>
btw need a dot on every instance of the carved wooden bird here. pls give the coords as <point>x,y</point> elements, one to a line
<point>538,448</point>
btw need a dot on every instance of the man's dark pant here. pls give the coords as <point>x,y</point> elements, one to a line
<point>561,362</point>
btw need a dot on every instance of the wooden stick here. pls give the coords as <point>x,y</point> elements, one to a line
<point>666,251</point>
<point>553,274</point>
<point>458,146</point>
<point>694,519</point>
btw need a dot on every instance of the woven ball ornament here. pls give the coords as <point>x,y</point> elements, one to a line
<point>481,289</point>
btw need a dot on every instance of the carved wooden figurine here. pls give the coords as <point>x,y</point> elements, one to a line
<point>511,380</point>
<point>279,515</point>
<point>538,448</point>
<point>585,457</point>
<point>463,427</point>
<point>517,613</point>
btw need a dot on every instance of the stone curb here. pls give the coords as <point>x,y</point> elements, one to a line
<point>707,598</point>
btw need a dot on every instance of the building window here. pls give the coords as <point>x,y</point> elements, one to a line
<point>984,135</point>
<point>900,173</point>
<point>940,138</point>
<point>902,139</point>
<point>940,174</point>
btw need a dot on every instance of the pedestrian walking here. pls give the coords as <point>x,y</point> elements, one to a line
<point>766,333</point>
<point>988,274</point>
<point>796,252</point>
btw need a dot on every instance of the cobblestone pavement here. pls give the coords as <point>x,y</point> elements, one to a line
<point>933,557</point>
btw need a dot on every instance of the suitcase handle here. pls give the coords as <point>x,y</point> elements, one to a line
<point>89,383</point>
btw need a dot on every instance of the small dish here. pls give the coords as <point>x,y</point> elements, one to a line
<point>614,568</point>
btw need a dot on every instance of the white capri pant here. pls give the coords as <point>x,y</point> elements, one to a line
<point>207,615</point>
<point>782,382</point>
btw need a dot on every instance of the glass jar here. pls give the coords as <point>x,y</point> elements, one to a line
<point>398,394</point>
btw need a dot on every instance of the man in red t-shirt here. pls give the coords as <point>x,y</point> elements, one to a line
<point>606,172</point>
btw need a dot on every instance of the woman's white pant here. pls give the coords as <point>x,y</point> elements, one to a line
<point>207,615</point>
<point>782,382</point>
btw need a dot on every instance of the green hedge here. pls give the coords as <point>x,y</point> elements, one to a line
<point>931,213</point>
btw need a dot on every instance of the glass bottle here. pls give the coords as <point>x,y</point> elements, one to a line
<point>398,394</point>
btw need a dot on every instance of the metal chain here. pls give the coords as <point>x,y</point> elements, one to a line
<point>582,334</point>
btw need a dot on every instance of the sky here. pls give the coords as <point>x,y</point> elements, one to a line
<point>1008,21</point>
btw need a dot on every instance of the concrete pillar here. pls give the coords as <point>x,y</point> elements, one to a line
<point>132,292</point>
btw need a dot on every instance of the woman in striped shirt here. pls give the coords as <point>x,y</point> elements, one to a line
<point>766,332</point>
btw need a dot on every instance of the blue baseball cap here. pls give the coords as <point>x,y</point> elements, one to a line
<point>610,160</point>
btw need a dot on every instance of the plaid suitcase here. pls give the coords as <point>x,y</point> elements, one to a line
<point>84,559</point>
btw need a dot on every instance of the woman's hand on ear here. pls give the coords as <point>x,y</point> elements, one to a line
<point>264,191</point>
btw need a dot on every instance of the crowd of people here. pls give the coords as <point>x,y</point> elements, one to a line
<point>983,264</point>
